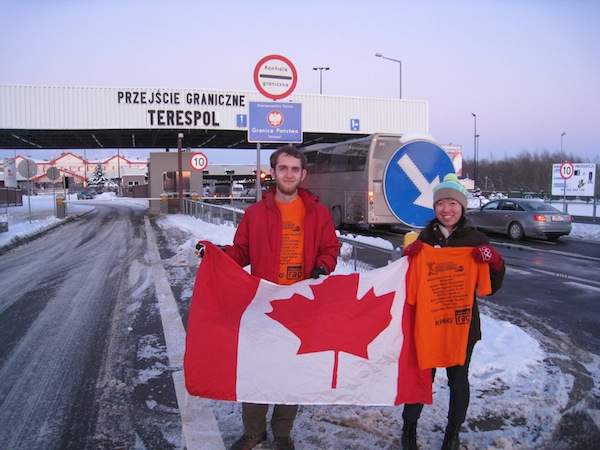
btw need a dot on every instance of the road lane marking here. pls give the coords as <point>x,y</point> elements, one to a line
<point>556,252</point>
<point>584,286</point>
<point>519,271</point>
<point>566,277</point>
<point>200,428</point>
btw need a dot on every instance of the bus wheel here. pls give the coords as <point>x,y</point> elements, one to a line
<point>336,212</point>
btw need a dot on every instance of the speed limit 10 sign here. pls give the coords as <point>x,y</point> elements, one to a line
<point>198,161</point>
<point>567,170</point>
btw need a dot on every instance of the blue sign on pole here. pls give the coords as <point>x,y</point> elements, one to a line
<point>275,122</point>
<point>241,120</point>
<point>409,178</point>
<point>355,124</point>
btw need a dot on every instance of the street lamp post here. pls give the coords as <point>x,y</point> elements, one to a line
<point>475,136</point>
<point>320,69</point>
<point>85,183</point>
<point>379,55</point>
<point>476,153</point>
<point>562,135</point>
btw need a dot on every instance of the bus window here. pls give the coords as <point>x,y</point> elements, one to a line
<point>339,163</point>
<point>323,160</point>
<point>357,162</point>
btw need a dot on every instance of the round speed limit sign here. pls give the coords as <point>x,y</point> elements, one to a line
<point>567,170</point>
<point>198,161</point>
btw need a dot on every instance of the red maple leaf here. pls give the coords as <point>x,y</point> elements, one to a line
<point>335,320</point>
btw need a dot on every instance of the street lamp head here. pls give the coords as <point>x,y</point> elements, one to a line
<point>562,134</point>
<point>474,115</point>
<point>379,55</point>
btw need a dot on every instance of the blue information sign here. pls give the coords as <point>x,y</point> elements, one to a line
<point>355,124</point>
<point>241,120</point>
<point>275,122</point>
<point>409,178</point>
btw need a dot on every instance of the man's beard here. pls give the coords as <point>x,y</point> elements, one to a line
<point>287,190</point>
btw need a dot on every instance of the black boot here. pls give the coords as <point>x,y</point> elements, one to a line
<point>409,436</point>
<point>451,439</point>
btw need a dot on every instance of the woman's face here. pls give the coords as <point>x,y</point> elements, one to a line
<point>448,211</point>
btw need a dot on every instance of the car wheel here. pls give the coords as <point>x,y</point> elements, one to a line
<point>515,231</point>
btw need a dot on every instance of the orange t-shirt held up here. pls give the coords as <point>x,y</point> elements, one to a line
<point>291,259</point>
<point>441,283</point>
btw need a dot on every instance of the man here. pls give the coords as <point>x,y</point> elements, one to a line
<point>287,237</point>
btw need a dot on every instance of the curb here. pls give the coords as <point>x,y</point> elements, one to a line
<point>20,240</point>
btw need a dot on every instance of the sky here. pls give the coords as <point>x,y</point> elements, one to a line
<point>529,69</point>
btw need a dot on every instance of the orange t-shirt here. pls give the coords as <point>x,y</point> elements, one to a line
<point>291,259</point>
<point>441,283</point>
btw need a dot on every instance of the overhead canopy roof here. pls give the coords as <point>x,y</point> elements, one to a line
<point>76,139</point>
<point>91,117</point>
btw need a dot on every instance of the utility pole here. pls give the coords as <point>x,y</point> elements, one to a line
<point>179,178</point>
<point>474,149</point>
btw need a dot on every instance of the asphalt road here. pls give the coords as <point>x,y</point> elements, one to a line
<point>67,308</point>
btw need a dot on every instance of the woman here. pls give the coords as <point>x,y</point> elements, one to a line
<point>449,228</point>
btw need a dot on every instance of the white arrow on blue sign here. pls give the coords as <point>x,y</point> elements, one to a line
<point>409,178</point>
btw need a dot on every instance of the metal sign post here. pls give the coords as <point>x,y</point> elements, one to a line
<point>275,77</point>
<point>28,168</point>
<point>53,174</point>
<point>199,162</point>
<point>258,186</point>
<point>566,171</point>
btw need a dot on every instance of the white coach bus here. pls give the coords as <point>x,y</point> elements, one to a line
<point>349,177</point>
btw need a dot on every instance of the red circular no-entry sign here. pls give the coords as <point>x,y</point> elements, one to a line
<point>275,77</point>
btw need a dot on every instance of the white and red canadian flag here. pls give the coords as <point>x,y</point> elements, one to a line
<point>341,339</point>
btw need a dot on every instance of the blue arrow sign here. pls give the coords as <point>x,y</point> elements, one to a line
<point>409,178</point>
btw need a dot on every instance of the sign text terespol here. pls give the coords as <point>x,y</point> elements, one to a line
<point>181,109</point>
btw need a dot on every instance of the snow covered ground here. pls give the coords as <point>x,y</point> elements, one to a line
<point>517,395</point>
<point>43,215</point>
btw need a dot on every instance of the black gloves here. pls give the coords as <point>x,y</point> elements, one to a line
<point>200,249</point>
<point>318,271</point>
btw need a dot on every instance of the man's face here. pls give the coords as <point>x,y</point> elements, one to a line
<point>288,174</point>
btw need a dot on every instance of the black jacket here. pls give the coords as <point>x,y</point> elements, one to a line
<point>464,235</point>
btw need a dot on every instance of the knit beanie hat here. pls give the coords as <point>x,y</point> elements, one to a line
<point>451,188</point>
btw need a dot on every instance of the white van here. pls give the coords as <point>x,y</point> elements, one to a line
<point>237,190</point>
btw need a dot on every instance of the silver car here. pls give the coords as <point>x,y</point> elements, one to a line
<point>519,217</point>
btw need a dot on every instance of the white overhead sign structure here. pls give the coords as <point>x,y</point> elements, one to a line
<point>573,179</point>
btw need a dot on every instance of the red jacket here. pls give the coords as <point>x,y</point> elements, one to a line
<point>257,240</point>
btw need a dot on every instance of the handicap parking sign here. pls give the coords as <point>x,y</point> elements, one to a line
<point>355,124</point>
<point>409,178</point>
